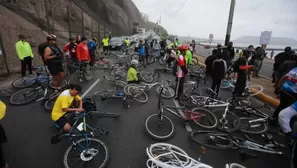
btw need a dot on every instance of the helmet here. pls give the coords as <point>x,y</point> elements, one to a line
<point>51,37</point>
<point>250,46</point>
<point>219,45</point>
<point>288,49</point>
<point>247,52</point>
<point>183,48</point>
<point>134,62</point>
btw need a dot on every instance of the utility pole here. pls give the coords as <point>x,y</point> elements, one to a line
<point>230,21</point>
<point>68,12</point>
<point>47,17</point>
<point>53,19</point>
<point>82,23</point>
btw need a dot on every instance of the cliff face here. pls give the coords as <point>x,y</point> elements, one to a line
<point>28,17</point>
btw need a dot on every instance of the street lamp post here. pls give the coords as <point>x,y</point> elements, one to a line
<point>230,21</point>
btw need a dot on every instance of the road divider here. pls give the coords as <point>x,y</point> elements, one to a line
<point>261,96</point>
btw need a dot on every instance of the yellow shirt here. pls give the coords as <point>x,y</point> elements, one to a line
<point>105,42</point>
<point>23,49</point>
<point>63,101</point>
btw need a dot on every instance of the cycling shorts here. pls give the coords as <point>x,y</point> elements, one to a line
<point>285,117</point>
<point>61,122</point>
<point>55,68</point>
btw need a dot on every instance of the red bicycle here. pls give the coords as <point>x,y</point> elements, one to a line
<point>160,127</point>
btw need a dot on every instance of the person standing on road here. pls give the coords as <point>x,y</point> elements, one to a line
<point>72,50</point>
<point>141,52</point>
<point>271,54</point>
<point>209,64</point>
<point>231,50</point>
<point>241,67</point>
<point>278,60</point>
<point>53,58</point>
<point>82,52</point>
<point>257,61</point>
<point>193,45</point>
<point>92,45</point>
<point>287,89</point>
<point>3,138</point>
<point>219,70</point>
<point>105,43</point>
<point>147,48</point>
<point>177,43</point>
<point>189,57</point>
<point>156,48</point>
<point>181,71</point>
<point>25,54</point>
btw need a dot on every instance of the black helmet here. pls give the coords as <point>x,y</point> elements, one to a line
<point>247,52</point>
<point>288,49</point>
<point>219,45</point>
<point>251,46</point>
<point>214,51</point>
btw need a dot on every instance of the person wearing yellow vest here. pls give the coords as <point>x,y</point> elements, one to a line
<point>189,57</point>
<point>25,54</point>
<point>127,42</point>
<point>105,43</point>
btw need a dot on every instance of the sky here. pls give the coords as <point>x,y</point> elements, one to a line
<point>199,18</point>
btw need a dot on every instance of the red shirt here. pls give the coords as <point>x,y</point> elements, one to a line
<point>82,52</point>
<point>181,61</point>
<point>66,47</point>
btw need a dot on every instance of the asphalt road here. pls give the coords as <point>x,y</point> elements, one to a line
<point>265,71</point>
<point>29,129</point>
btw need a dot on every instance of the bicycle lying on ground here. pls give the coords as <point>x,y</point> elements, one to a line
<point>164,127</point>
<point>5,92</point>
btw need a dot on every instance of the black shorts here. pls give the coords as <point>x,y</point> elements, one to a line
<point>105,48</point>
<point>2,161</point>
<point>61,122</point>
<point>55,68</point>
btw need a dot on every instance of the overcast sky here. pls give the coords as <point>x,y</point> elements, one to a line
<point>199,18</point>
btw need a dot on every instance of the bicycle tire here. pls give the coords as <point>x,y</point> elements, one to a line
<point>5,93</point>
<point>63,84</point>
<point>213,120</point>
<point>243,126</point>
<point>103,94</point>
<point>162,61</point>
<point>74,146</point>
<point>20,92</point>
<point>257,92</point>
<point>146,77</point>
<point>134,57</point>
<point>29,81</point>
<point>151,60</point>
<point>204,143</point>
<point>189,91</point>
<point>49,103</point>
<point>168,93</point>
<point>135,97</point>
<point>168,83</point>
<point>120,84</point>
<point>160,137</point>
<point>234,122</point>
<point>88,74</point>
<point>195,61</point>
<point>126,88</point>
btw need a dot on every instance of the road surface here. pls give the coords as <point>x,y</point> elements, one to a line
<point>29,129</point>
<point>265,71</point>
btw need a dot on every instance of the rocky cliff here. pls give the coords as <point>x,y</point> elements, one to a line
<point>86,17</point>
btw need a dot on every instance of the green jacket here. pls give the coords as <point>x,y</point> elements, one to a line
<point>189,57</point>
<point>132,74</point>
<point>23,50</point>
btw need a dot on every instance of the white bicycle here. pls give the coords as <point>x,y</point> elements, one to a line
<point>164,155</point>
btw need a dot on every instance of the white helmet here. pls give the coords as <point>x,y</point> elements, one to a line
<point>134,62</point>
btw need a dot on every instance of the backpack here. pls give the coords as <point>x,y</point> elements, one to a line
<point>41,47</point>
<point>235,65</point>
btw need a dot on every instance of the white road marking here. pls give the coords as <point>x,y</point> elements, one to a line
<point>187,125</point>
<point>90,88</point>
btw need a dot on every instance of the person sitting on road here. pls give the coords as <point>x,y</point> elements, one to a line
<point>83,53</point>
<point>241,67</point>
<point>219,70</point>
<point>132,73</point>
<point>68,101</point>
<point>209,64</point>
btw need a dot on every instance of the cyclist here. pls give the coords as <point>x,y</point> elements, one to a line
<point>181,70</point>
<point>92,45</point>
<point>3,138</point>
<point>177,43</point>
<point>72,50</point>
<point>193,45</point>
<point>53,58</point>
<point>132,73</point>
<point>68,101</point>
<point>189,56</point>
<point>219,70</point>
<point>141,52</point>
<point>82,52</point>
<point>172,56</point>
<point>127,42</point>
<point>25,54</point>
<point>241,67</point>
<point>105,42</point>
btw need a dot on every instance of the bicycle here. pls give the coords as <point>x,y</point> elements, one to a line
<point>5,92</point>
<point>85,73</point>
<point>28,81</point>
<point>83,148</point>
<point>200,116</point>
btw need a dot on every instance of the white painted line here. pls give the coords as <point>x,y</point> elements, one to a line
<point>90,88</point>
<point>187,125</point>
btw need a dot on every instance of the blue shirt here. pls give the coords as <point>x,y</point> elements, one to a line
<point>141,50</point>
<point>290,85</point>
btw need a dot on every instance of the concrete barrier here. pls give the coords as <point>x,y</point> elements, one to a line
<point>261,96</point>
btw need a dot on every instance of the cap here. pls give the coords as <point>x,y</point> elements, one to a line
<point>83,39</point>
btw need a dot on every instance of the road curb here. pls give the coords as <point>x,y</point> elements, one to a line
<point>261,96</point>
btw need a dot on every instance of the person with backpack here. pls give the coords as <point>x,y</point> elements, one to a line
<point>279,59</point>
<point>241,67</point>
<point>180,70</point>
<point>92,45</point>
<point>219,69</point>
<point>53,59</point>
<point>209,64</point>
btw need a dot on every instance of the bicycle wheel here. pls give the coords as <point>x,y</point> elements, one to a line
<point>162,60</point>
<point>240,101</point>
<point>253,127</point>
<point>23,96</point>
<point>138,94</point>
<point>195,61</point>
<point>212,139</point>
<point>63,84</point>
<point>159,154</point>
<point>159,127</point>
<point>23,82</point>
<point>146,77</point>
<point>134,57</point>
<point>256,89</point>
<point>151,60</point>
<point>103,93</point>
<point>230,123</point>
<point>167,93</point>
<point>127,87</point>
<point>91,151</point>
<point>5,93</point>
<point>190,90</point>
<point>88,74</point>
<point>204,118</point>
<point>168,83</point>
<point>49,103</point>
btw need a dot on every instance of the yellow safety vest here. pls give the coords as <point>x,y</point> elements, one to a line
<point>105,42</point>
